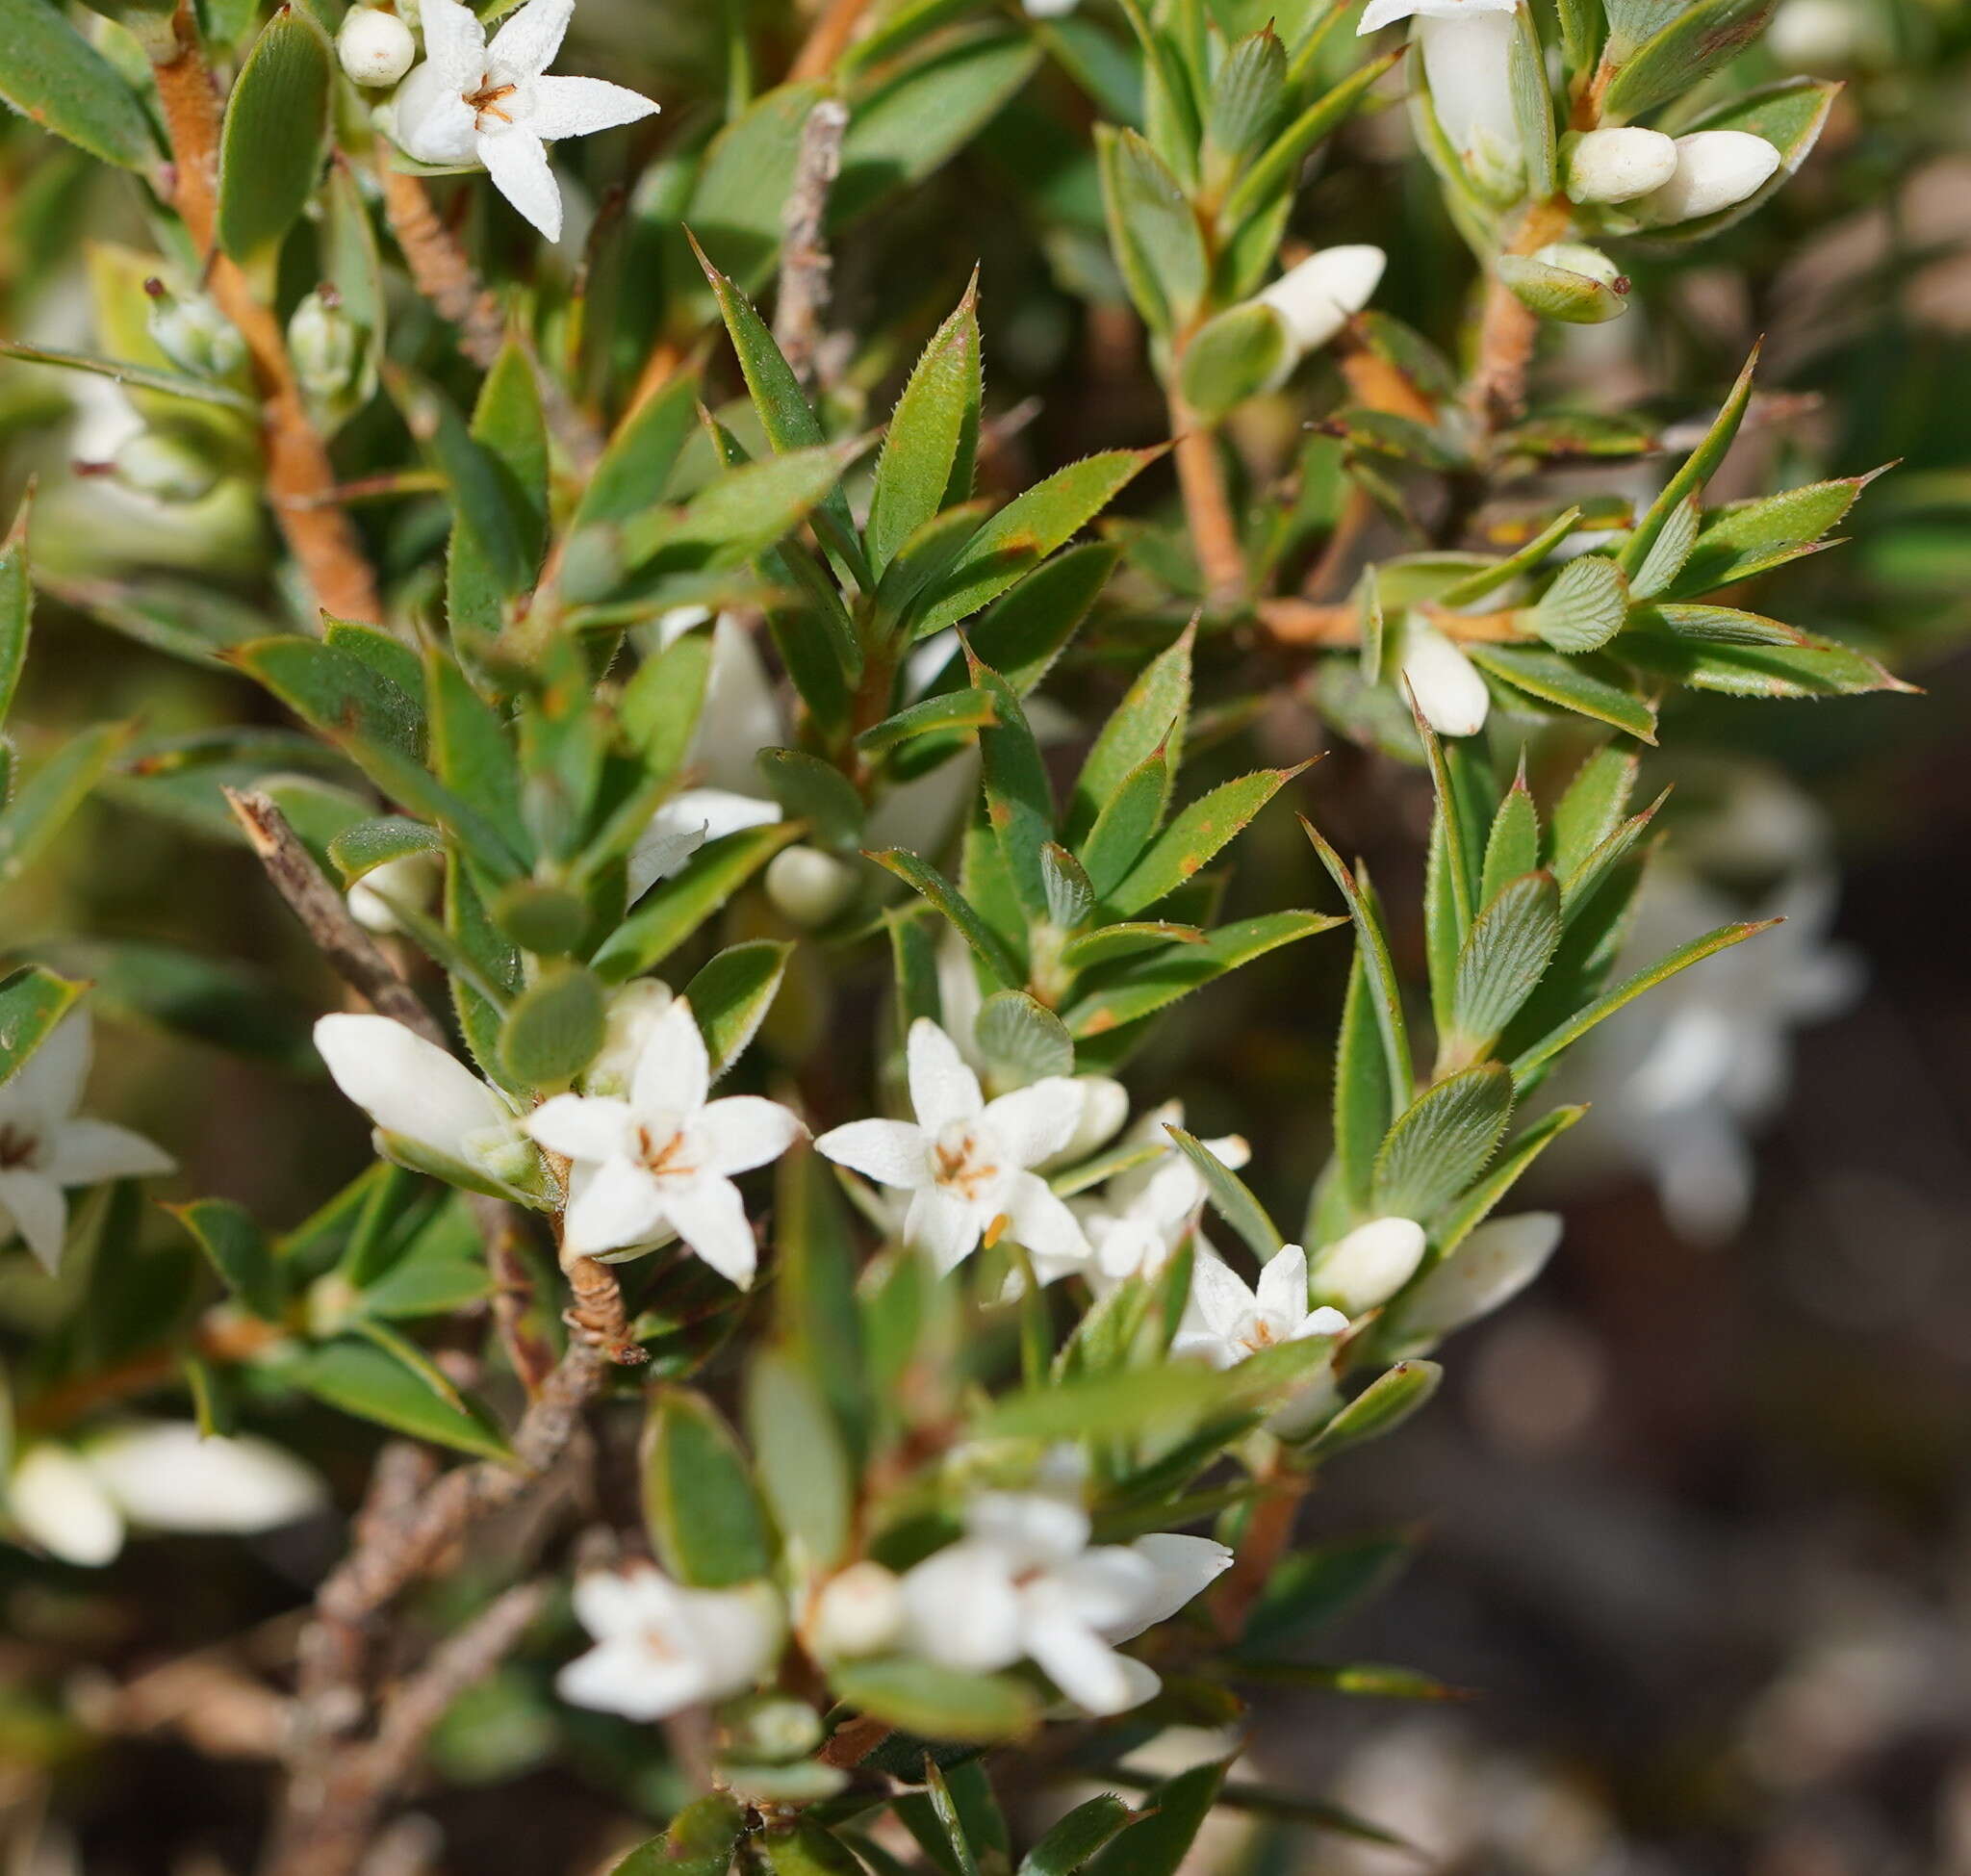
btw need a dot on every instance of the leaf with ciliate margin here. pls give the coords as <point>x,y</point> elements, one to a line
<point>937,1703</point>
<point>275,133</point>
<point>33,1001</point>
<point>1789,116</point>
<point>239,1251</point>
<point>702,1841</point>
<point>16,609</point>
<point>1697,469</point>
<point>1440,1142</point>
<point>1681,55</point>
<point>498,471</point>
<point>1067,1847</point>
<point>1372,947</point>
<point>1381,1407</point>
<point>986,944</point>
<point>1362,1105</point>
<point>1742,655</point>
<point>1230,1197</point>
<point>1020,800</point>
<point>732,993</point>
<point>1573,683</point>
<point>1022,1040</point>
<point>1196,835</point>
<point>553,1028</point>
<point>927,456</point>
<point>1588,812</point>
<point>1511,944</point>
<point>668,915</point>
<point>1151,717</point>
<point>53,792</point>
<point>366,1379</point>
<point>1585,607</point>
<point>1161,1839</point>
<point>1745,538</point>
<point>54,77</point>
<point>699,1498</point>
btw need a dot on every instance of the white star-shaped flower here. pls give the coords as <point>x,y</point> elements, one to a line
<point>497,105</point>
<point>1147,1211</point>
<point>46,1146</point>
<point>965,1162</point>
<point>661,1647</point>
<point>1024,1583</point>
<point>665,1155</point>
<point>1228,1321</point>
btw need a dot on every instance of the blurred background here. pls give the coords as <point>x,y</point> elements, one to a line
<point>1691,1523</point>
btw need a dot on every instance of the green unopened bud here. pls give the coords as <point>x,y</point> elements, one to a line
<point>194,334</point>
<point>770,1728</point>
<point>323,342</point>
<point>163,468</point>
<point>1567,281</point>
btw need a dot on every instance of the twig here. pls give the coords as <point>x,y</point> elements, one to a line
<point>1507,329</point>
<point>1206,506</point>
<point>358,960</point>
<point>828,41</point>
<point>301,479</point>
<point>513,1293</point>
<point>804,263</point>
<point>1268,1534</point>
<point>1304,622</point>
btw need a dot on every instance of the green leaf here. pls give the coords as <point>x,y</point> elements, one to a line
<point>376,841</point>
<point>670,912</point>
<point>33,1001</point>
<point>1440,1142</point>
<point>1125,825</point>
<point>1025,532</point>
<point>239,1251</point>
<point>498,478</point>
<point>1138,989</point>
<point>1501,963</point>
<point>1363,1105</point>
<point>1235,355</point>
<point>143,377</point>
<point>1106,943</point>
<point>1197,833</point>
<point>16,606</point>
<point>926,463</point>
<point>1579,889</point>
<point>1747,538</point>
<point>1019,801</point>
<point>1568,683</point>
<point>1150,718</point>
<point>1790,115</point>
<point>1560,293</point>
<point>1021,634</point>
<point>1159,1841</point>
<point>742,186</point>
<point>1696,43</point>
<point>277,129</point>
<point>970,708</point>
<point>1230,1197</point>
<point>661,703</point>
<point>1742,655</point>
<point>1066,1848</point>
<point>1316,1585</point>
<point>1681,959</point>
<point>54,77</point>
<point>814,1299</point>
<point>1490,579</point>
<point>806,1848</point>
<point>553,1028</point>
<point>705,1516</point>
<point>732,994</point>
<point>1701,464</point>
<point>1381,1407</point>
<point>360,1377</point>
<point>986,945</point>
<point>1248,98</point>
<point>473,751</point>
<point>811,790</point>
<point>1670,550</point>
<point>1475,1206</point>
<point>1372,949</point>
<point>1153,230</point>
<point>1022,1040</point>
<point>1584,608</point>
<point>635,471</point>
<point>1587,813</point>
<point>51,793</point>
<point>804,1471</point>
<point>702,1841</point>
<point>1274,173</point>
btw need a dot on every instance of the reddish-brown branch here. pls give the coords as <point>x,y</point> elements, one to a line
<point>1507,329</point>
<point>1268,1534</point>
<point>1206,505</point>
<point>1304,622</point>
<point>828,41</point>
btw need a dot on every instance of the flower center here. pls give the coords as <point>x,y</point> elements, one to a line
<point>1259,1333</point>
<point>665,1150</point>
<point>17,1147</point>
<point>485,101</point>
<point>964,1162</point>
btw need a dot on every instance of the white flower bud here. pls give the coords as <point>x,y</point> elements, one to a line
<point>1577,257</point>
<point>1489,1269</point>
<point>1815,36</point>
<point>860,1611</point>
<point>322,343</point>
<point>1320,295</point>
<point>1369,1264</point>
<point>412,878</point>
<point>194,334</point>
<point>375,47</point>
<point>1445,683</point>
<point>413,1088</point>
<point>808,886</point>
<point>168,1476</point>
<point>1467,65</point>
<point>1105,1107</point>
<point>57,1503</point>
<point>1715,170</point>
<point>163,468</point>
<point>1617,165</point>
<point>1049,8</point>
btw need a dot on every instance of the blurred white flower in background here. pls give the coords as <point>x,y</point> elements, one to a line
<point>1678,1082</point>
<point>661,1647</point>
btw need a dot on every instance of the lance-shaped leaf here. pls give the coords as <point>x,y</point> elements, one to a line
<point>804,1471</point>
<point>635,469</point>
<point>1197,833</point>
<point>970,708</point>
<point>240,1252</point>
<point>1125,824</point>
<point>1230,1197</point>
<point>1672,549</point>
<point>1573,683</point>
<point>1511,944</point>
<point>498,471</point>
<point>1021,634</point>
<point>1587,813</point>
<point>16,607</point>
<point>54,77</point>
<point>1683,55</point>
<point>1533,1060</point>
<point>1477,1205</point>
<point>1440,1142</point>
<point>1363,1102</point>
<point>1697,469</point>
<point>1108,942</point>
<point>376,840</point>
<point>699,1500</point>
<point>51,793</point>
<point>702,1841</point>
<point>1381,1407</point>
<point>472,749</point>
<point>1745,538</point>
<point>926,464</point>
<point>1487,579</point>
<point>1160,1841</point>
<point>1138,989</point>
<point>1579,888</point>
<point>732,993</point>
<point>817,792</point>
<point>1151,717</point>
<point>376,1384</point>
<point>1742,655</point>
<point>1319,1583</point>
<point>1274,171</point>
<point>1020,802</point>
<point>1025,532</point>
<point>986,945</point>
<point>276,128</point>
<point>670,912</point>
<point>1372,947</point>
<point>33,1000</point>
<point>1153,229</point>
<point>931,1701</point>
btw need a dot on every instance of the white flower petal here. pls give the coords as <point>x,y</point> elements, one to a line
<point>961,1609</point>
<point>38,1212</point>
<point>623,1676</point>
<point>86,1152</point>
<point>1183,1567</point>
<point>406,1085</point>
<point>943,1089</point>
<point>727,811</point>
<point>455,41</point>
<point>49,1084</point>
<point>58,1505</point>
<point>1081,1665</point>
<point>1220,1296</point>
<point>621,1204</point>
<point>613,1603</point>
<point>583,1126</point>
<point>741,714</point>
<point>576,107</point>
<point>430,118</point>
<point>674,1071</point>
<point>1029,1529</point>
<point>944,1227</point>
<point>1281,1290</point>
<point>1489,1269</point>
<point>710,1216</point>
<point>744,1131</point>
<point>516,161</point>
<point>526,44</point>
<point>891,1152</point>
<point>1037,1121</point>
<point>1041,1220</point>
<point>1104,1587</point>
<point>169,1477</point>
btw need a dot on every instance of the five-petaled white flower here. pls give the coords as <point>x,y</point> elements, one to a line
<point>471,102</point>
<point>661,1647</point>
<point>664,1155</point>
<point>46,1144</point>
<point>1024,1582</point>
<point>1227,1321</point>
<point>966,1163</point>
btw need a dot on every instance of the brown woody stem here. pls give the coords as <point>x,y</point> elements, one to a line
<point>1206,505</point>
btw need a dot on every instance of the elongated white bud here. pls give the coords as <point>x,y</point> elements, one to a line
<point>375,47</point>
<point>322,343</point>
<point>809,886</point>
<point>1617,165</point>
<point>1320,295</point>
<point>1368,1266</point>
<point>1445,683</point>
<point>858,1612</point>
<point>1467,65</point>
<point>409,1086</point>
<point>1488,1269</point>
<point>1715,170</point>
